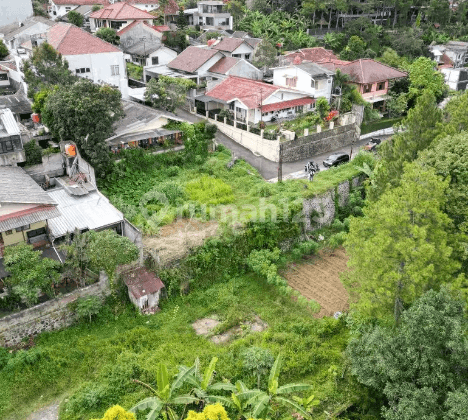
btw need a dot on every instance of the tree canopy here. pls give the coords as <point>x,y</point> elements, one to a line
<point>167,92</point>
<point>3,50</point>
<point>75,18</point>
<point>109,35</point>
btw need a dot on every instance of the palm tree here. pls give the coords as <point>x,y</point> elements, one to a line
<point>165,396</point>
<point>261,402</point>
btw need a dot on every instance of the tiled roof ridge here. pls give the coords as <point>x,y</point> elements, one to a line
<point>64,35</point>
<point>20,213</point>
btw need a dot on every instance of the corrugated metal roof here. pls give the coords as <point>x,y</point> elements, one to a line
<point>91,211</point>
<point>16,186</point>
<point>46,213</point>
<point>8,122</point>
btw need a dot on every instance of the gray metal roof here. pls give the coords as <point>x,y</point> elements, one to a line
<point>45,213</point>
<point>143,48</point>
<point>139,135</point>
<point>92,211</point>
<point>13,29</point>
<point>16,186</point>
<point>315,70</point>
<point>8,125</point>
<point>18,103</point>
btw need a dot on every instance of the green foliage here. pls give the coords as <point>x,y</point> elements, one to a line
<point>84,112</point>
<point>369,127</point>
<point>257,362</point>
<point>29,272</point>
<point>182,21</point>
<point>75,18</point>
<point>400,247</point>
<point>309,120</point>
<point>33,153</point>
<point>356,48</point>
<point>176,40</point>
<point>134,71</point>
<point>391,58</point>
<point>39,9</point>
<point>4,357</point>
<point>424,76</point>
<point>167,92</point>
<point>87,307</point>
<point>262,262</point>
<point>323,107</point>
<point>40,99</point>
<point>118,413</point>
<point>421,366</point>
<point>208,190</point>
<point>96,7</point>
<point>265,55</point>
<point>109,35</point>
<point>3,50</point>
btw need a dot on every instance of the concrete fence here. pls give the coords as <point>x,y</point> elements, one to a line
<point>48,316</point>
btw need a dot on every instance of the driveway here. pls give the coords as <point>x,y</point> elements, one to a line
<point>267,168</point>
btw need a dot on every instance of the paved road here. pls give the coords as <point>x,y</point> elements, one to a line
<point>267,168</point>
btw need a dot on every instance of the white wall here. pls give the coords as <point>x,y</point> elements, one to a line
<point>243,50</point>
<point>146,9</point>
<point>247,70</point>
<point>100,66</point>
<point>203,70</point>
<point>282,95</point>
<point>59,10</point>
<point>14,11</point>
<point>165,56</point>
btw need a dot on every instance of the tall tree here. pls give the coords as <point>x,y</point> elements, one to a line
<point>420,368</point>
<point>3,50</point>
<point>109,35</point>
<point>167,92</point>
<point>399,248</point>
<point>84,112</point>
<point>46,68</point>
<point>265,55</point>
<point>75,18</point>
<point>424,76</point>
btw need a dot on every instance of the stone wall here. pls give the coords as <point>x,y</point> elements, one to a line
<point>318,143</point>
<point>319,211</point>
<point>48,316</point>
<point>135,235</point>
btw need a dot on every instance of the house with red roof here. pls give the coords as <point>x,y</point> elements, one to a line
<point>230,66</point>
<point>117,16</point>
<point>234,47</point>
<point>251,101</point>
<point>59,8</point>
<point>89,56</point>
<point>314,55</point>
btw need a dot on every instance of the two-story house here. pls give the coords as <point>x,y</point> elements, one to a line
<point>117,16</point>
<point>210,15</point>
<point>89,56</point>
<point>234,47</point>
<point>11,144</point>
<point>252,101</point>
<point>453,52</point>
<point>59,8</point>
<point>310,78</point>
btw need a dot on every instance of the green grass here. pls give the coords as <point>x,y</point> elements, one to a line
<point>137,190</point>
<point>92,364</point>
<point>379,124</point>
<point>135,71</point>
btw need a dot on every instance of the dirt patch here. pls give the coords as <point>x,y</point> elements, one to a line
<point>319,279</point>
<point>174,241</point>
<point>205,325</point>
<point>257,325</point>
<point>47,413</point>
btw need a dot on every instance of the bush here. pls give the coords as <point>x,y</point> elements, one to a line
<point>4,357</point>
<point>33,153</point>
<point>208,190</point>
<point>86,307</point>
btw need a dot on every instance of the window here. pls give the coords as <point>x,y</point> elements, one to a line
<point>247,56</point>
<point>312,83</point>
<point>291,81</point>
<point>67,9</point>
<point>36,232</point>
<point>115,70</point>
<point>9,232</point>
<point>381,86</point>
<point>282,96</point>
<point>231,105</point>
<point>6,146</point>
<point>21,228</point>
<point>83,70</point>
<point>367,88</point>
<point>154,60</point>
<point>3,76</point>
<point>236,55</point>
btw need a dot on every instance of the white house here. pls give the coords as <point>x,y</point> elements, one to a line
<point>89,56</point>
<point>117,16</point>
<point>234,47</point>
<point>14,35</point>
<point>170,12</point>
<point>59,8</point>
<point>15,11</point>
<point>210,15</point>
<point>311,78</point>
<point>252,101</point>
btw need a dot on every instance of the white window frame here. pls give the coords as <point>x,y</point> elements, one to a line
<point>115,70</point>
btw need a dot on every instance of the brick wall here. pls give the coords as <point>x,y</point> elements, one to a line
<point>318,143</point>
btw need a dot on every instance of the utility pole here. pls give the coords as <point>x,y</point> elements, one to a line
<point>280,163</point>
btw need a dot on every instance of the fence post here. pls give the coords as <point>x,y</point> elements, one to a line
<point>332,125</point>
<point>261,133</point>
<point>224,120</point>
<point>319,128</point>
<point>207,114</point>
<point>306,132</point>
<point>216,117</point>
<point>235,123</point>
<point>248,128</point>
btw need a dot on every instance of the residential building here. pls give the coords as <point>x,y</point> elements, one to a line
<point>456,79</point>
<point>25,209</point>
<point>455,51</point>
<point>234,47</point>
<point>192,63</point>
<point>59,8</point>
<point>170,11</point>
<point>230,66</point>
<point>143,126</point>
<point>89,56</point>
<point>11,143</point>
<point>314,55</point>
<point>311,78</point>
<point>18,104</point>
<point>117,16</point>
<point>14,34</point>
<point>15,11</point>
<point>252,101</point>
<point>210,15</point>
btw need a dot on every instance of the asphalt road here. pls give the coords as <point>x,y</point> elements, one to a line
<point>267,168</point>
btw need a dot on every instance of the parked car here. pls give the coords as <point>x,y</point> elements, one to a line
<point>372,144</point>
<point>336,159</point>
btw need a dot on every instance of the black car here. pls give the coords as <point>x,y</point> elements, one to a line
<point>336,159</point>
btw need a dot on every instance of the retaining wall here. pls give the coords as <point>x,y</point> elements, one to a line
<point>319,211</point>
<point>48,316</point>
<point>318,143</point>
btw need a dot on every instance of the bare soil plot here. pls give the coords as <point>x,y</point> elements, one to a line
<point>318,279</point>
<point>175,240</point>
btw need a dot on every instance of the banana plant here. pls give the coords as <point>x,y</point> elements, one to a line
<point>165,396</point>
<point>308,403</point>
<point>202,383</point>
<point>261,402</point>
<point>237,401</point>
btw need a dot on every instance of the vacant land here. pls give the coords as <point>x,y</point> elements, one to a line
<point>319,279</point>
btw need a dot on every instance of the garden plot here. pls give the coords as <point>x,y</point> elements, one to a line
<point>319,280</point>
<point>175,240</point>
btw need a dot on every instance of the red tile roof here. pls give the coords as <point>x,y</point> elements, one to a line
<point>366,70</point>
<point>171,8</point>
<point>141,282</point>
<point>162,28</point>
<point>249,92</point>
<point>224,65</point>
<point>68,39</point>
<point>287,104</point>
<point>81,2</point>
<point>315,55</point>
<point>191,59</point>
<point>446,62</point>
<point>228,44</point>
<point>133,24</point>
<point>121,11</point>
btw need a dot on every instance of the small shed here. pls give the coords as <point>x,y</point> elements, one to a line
<point>144,289</point>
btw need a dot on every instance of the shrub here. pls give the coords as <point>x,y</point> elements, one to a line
<point>86,307</point>
<point>33,153</point>
<point>208,190</point>
<point>4,357</point>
